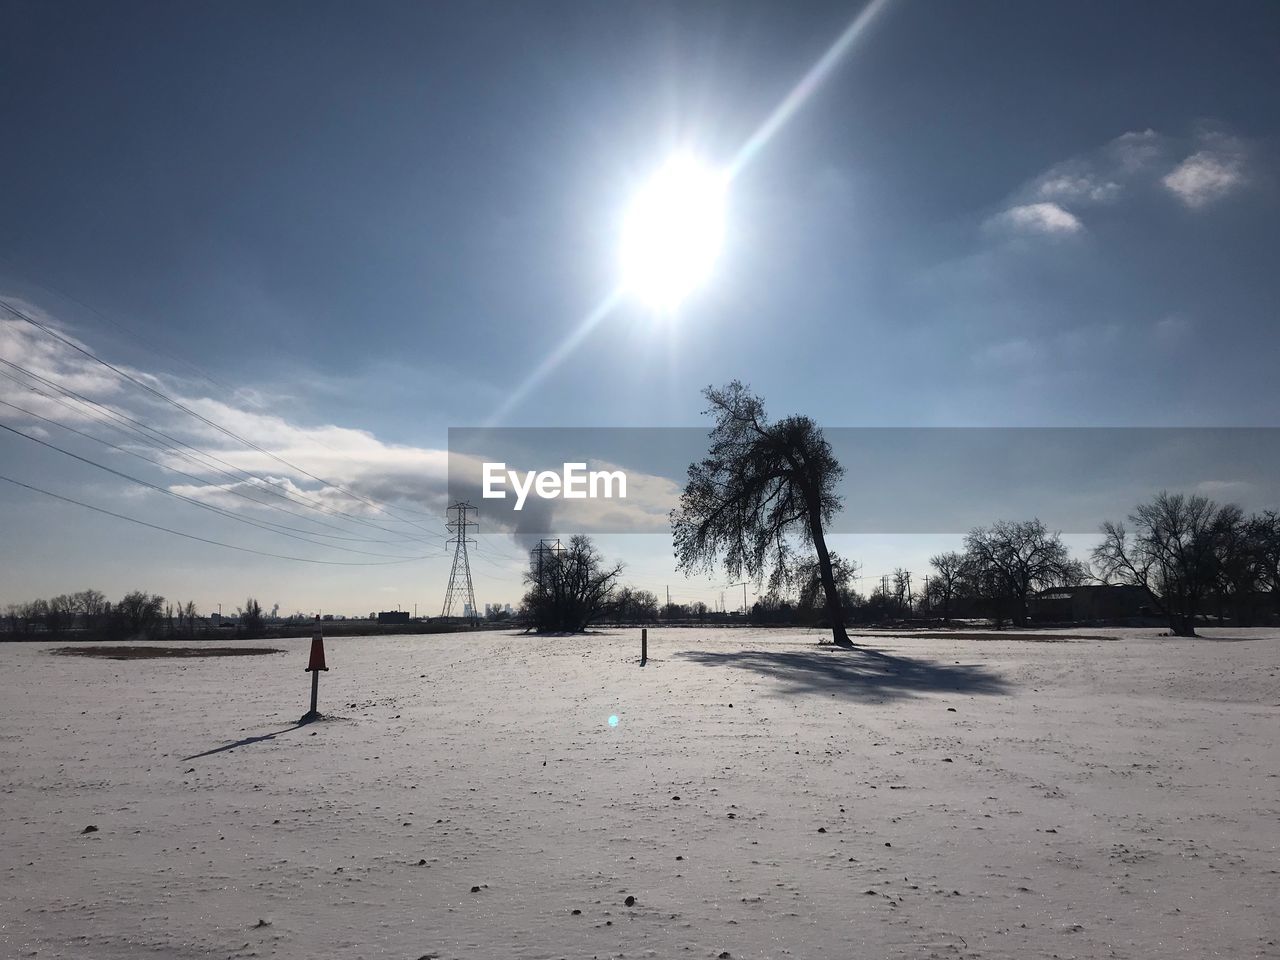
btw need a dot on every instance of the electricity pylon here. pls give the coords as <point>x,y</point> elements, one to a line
<point>460,575</point>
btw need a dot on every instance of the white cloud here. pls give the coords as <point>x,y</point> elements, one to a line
<point>278,469</point>
<point>1136,150</point>
<point>1064,185</point>
<point>350,458</point>
<point>1206,176</point>
<point>1038,218</point>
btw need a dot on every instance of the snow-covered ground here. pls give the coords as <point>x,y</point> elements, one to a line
<point>759,795</point>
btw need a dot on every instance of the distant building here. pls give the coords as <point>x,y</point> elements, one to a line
<point>1091,602</point>
<point>393,616</point>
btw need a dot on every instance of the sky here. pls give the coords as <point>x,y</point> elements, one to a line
<point>336,230</point>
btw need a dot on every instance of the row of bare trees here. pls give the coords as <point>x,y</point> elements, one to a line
<point>758,503</point>
<point>1188,555</point>
<point>1001,568</point>
<point>1186,551</point>
<point>89,614</point>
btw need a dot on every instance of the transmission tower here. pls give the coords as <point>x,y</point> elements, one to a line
<point>460,575</point>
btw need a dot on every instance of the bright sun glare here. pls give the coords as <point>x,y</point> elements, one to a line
<point>673,232</point>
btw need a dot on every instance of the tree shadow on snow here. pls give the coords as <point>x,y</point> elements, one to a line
<point>859,674</point>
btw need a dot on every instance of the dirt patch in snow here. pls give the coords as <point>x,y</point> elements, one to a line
<point>160,653</point>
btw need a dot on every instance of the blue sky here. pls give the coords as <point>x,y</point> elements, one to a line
<point>363,224</point>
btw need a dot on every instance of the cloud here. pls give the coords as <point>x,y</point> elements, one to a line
<point>1066,185</point>
<point>1135,164</point>
<point>1037,218</point>
<point>1136,150</point>
<point>1172,330</point>
<point>281,454</point>
<point>1227,490</point>
<point>369,486</point>
<point>1207,175</point>
<point>1102,175</point>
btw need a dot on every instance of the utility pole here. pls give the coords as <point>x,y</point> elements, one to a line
<point>743,585</point>
<point>460,576</point>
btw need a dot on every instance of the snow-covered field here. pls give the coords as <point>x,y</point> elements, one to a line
<point>760,796</point>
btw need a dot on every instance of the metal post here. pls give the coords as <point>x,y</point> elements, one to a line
<point>644,646</point>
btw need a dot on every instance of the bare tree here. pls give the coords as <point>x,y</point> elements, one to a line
<point>570,588</point>
<point>1238,566</point>
<point>252,616</point>
<point>139,613</point>
<point>189,614</point>
<point>902,591</point>
<point>1009,560</point>
<point>62,613</point>
<point>36,611</point>
<point>633,605</point>
<point>92,607</point>
<point>1264,539</point>
<point>1174,553</point>
<point>760,485</point>
<point>948,575</point>
<point>808,581</point>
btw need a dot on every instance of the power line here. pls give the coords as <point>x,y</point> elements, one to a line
<point>216,543</point>
<point>178,496</point>
<point>190,476</point>
<point>259,483</point>
<point>147,344</point>
<point>49,331</point>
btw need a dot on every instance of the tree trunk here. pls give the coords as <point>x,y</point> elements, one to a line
<point>835,610</point>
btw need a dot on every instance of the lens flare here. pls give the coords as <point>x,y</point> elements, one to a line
<point>613,720</point>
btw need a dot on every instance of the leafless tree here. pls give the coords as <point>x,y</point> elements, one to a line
<point>902,591</point>
<point>61,614</point>
<point>1264,539</point>
<point>92,606</point>
<point>1009,560</point>
<point>761,486</point>
<point>945,584</point>
<point>569,589</point>
<point>808,581</point>
<point>251,618</point>
<point>1175,553</point>
<point>189,614</point>
<point>138,612</point>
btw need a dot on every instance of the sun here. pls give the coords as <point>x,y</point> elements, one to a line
<point>673,231</point>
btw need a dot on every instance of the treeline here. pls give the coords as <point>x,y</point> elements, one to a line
<point>1187,556</point>
<point>136,615</point>
<point>1184,557</point>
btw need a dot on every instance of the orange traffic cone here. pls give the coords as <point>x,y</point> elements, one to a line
<point>317,655</point>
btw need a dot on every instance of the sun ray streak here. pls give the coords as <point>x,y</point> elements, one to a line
<point>808,85</point>
<point>557,356</point>
<point>814,77</point>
